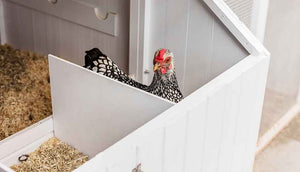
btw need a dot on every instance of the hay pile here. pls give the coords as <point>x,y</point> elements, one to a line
<point>24,90</point>
<point>53,155</point>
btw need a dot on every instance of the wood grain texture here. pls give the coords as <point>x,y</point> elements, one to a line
<point>29,29</point>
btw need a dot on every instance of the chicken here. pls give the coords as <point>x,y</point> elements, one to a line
<point>164,82</point>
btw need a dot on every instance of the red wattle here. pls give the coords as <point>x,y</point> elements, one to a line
<point>163,70</point>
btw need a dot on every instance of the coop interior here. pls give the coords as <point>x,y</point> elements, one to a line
<point>102,110</point>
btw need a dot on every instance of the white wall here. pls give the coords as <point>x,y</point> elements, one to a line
<point>283,40</point>
<point>32,30</point>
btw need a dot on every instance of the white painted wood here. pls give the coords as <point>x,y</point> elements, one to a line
<point>37,31</point>
<point>104,108</point>
<point>194,134</point>
<point>17,141</point>
<point>139,36</point>
<point>252,13</point>
<point>190,30</point>
<point>195,137</point>
<point>214,128</point>
<point>134,38</point>
<point>213,135</point>
<point>259,18</point>
<point>4,168</point>
<point>221,130</point>
<point>236,27</point>
<point>150,149</point>
<point>2,24</point>
<point>174,144</point>
<point>75,11</point>
<point>243,9</point>
<point>13,158</point>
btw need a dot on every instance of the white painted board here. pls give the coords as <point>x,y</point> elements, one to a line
<point>210,130</point>
<point>24,27</point>
<point>79,12</point>
<point>91,111</point>
<point>14,143</point>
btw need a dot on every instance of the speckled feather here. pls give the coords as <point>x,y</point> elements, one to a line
<point>98,62</point>
<point>165,86</point>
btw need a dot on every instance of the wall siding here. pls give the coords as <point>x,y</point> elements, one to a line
<point>32,30</point>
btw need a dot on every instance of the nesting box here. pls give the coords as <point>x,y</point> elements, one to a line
<point>221,68</point>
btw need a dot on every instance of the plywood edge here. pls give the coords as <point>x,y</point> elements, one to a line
<point>25,137</point>
<point>236,27</point>
<point>55,58</point>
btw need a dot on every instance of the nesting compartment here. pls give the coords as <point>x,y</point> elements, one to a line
<point>90,113</point>
<point>122,128</point>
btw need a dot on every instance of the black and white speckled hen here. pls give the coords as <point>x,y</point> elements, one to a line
<point>164,83</point>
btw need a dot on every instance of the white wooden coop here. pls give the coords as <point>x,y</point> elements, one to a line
<point>220,65</point>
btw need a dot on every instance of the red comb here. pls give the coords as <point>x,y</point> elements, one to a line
<point>159,57</point>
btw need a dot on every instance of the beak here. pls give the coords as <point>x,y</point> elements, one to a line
<point>156,66</point>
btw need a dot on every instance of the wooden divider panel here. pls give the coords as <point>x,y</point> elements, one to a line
<point>91,111</point>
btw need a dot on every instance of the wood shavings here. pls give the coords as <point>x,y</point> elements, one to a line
<point>24,90</point>
<point>53,155</point>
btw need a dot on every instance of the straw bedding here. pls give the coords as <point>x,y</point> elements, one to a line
<point>53,155</point>
<point>24,89</point>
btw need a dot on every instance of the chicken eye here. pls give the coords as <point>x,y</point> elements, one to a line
<point>168,60</point>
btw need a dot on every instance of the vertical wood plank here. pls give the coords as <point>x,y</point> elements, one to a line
<point>195,137</point>
<point>35,31</point>
<point>11,19</point>
<point>176,34</point>
<point>218,133</point>
<point>199,46</point>
<point>151,150</point>
<point>175,144</point>
<point>134,37</point>
<point>261,70</point>
<point>229,123</point>
<point>25,28</point>
<point>124,162</point>
<point>246,119</point>
<point>3,33</point>
<point>52,35</point>
<point>227,51</point>
<point>39,26</point>
<point>215,116</point>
